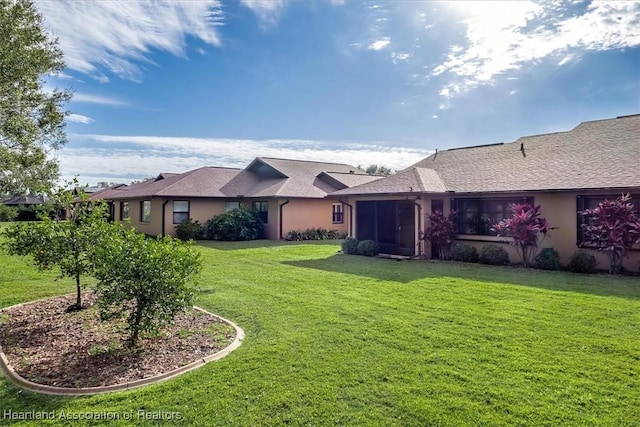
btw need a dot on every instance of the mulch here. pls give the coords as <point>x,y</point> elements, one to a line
<point>48,345</point>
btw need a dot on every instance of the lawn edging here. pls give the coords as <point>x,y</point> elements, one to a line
<point>16,379</point>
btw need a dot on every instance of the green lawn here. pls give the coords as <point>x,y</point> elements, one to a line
<point>344,340</point>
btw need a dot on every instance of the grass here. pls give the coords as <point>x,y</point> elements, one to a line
<point>345,340</point>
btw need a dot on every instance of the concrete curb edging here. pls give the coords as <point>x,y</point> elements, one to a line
<point>16,379</point>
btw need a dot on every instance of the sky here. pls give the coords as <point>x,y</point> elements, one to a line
<point>170,86</point>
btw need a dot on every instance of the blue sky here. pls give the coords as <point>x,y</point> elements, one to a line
<point>172,86</point>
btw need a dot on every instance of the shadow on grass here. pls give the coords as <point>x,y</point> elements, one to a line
<point>406,271</point>
<point>260,244</point>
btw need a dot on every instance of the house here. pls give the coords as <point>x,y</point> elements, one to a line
<point>27,206</point>
<point>287,194</point>
<point>564,172</point>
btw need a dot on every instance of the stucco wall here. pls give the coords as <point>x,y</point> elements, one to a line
<point>301,214</point>
<point>560,210</point>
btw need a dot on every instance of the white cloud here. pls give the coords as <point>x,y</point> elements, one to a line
<point>150,155</point>
<point>79,118</point>
<point>116,36</point>
<point>435,116</point>
<point>379,44</point>
<point>513,92</point>
<point>506,36</point>
<point>96,99</point>
<point>267,10</point>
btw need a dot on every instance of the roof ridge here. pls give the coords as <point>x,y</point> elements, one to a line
<point>308,161</point>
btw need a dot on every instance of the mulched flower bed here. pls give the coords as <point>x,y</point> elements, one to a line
<point>47,345</point>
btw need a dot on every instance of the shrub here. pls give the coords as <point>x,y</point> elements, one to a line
<point>190,230</point>
<point>493,255</point>
<point>7,213</point>
<point>464,253</point>
<point>315,234</point>
<point>547,259</point>
<point>368,248</point>
<point>237,224</point>
<point>524,226</point>
<point>612,228</point>
<point>582,262</point>
<point>145,279</point>
<point>442,231</point>
<point>350,246</point>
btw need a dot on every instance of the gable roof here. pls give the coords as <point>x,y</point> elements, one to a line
<point>201,182</point>
<point>263,177</point>
<point>270,177</point>
<point>595,154</point>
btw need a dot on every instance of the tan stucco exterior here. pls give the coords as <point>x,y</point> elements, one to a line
<point>297,214</point>
<point>558,207</point>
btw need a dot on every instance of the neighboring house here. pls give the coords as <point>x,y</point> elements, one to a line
<point>27,206</point>
<point>564,172</point>
<point>288,194</point>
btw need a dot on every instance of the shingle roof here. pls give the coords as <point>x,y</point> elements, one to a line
<point>264,177</point>
<point>406,181</point>
<point>345,180</point>
<point>27,200</point>
<point>202,182</point>
<point>269,177</point>
<point>595,154</point>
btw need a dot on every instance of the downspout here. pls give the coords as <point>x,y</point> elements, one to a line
<point>164,214</point>
<point>280,218</point>
<point>350,217</point>
<point>419,227</point>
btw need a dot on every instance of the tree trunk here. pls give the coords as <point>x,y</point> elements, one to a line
<point>78,294</point>
<point>135,327</point>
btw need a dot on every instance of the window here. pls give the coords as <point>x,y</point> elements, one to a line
<point>591,202</point>
<point>180,211</point>
<point>477,216</point>
<point>263,211</point>
<point>231,206</point>
<point>124,211</point>
<point>145,211</point>
<point>338,215</point>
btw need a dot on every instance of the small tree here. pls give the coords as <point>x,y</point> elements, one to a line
<point>442,231</point>
<point>66,240</point>
<point>613,227</point>
<point>525,227</point>
<point>144,278</point>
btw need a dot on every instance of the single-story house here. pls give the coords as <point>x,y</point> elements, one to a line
<point>288,194</point>
<point>563,172</point>
<point>27,206</point>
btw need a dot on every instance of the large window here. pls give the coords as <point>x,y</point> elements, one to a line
<point>591,202</point>
<point>477,216</point>
<point>338,215</point>
<point>263,211</point>
<point>180,211</point>
<point>124,211</point>
<point>145,211</point>
<point>231,206</point>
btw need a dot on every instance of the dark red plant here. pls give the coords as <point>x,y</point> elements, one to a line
<point>525,226</point>
<point>442,231</point>
<point>612,228</point>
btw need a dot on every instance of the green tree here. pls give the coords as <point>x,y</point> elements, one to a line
<point>378,170</point>
<point>31,118</point>
<point>148,279</point>
<point>67,240</point>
